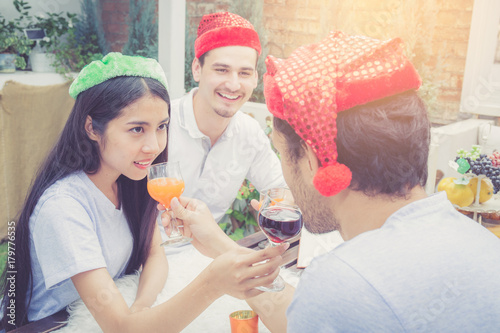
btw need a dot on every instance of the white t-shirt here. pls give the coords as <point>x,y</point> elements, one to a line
<point>74,228</point>
<point>215,173</point>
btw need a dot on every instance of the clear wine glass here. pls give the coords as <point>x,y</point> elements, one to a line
<point>280,219</point>
<point>165,183</point>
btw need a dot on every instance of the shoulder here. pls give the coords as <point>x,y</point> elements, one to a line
<point>65,185</point>
<point>70,195</point>
<point>343,279</point>
<point>331,288</point>
<point>248,125</point>
<point>74,186</point>
<point>329,266</point>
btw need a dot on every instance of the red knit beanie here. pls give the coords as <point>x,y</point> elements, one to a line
<point>224,29</point>
<point>318,81</point>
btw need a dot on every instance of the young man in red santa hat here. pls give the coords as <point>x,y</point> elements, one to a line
<point>217,145</point>
<point>354,137</point>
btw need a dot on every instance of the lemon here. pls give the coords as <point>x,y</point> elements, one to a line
<point>486,192</point>
<point>444,182</point>
<point>460,195</point>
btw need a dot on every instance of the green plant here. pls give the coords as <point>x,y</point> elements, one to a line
<point>190,35</point>
<point>240,219</point>
<point>142,30</point>
<point>55,25</point>
<point>89,27</point>
<point>82,43</point>
<point>73,55</point>
<point>12,39</point>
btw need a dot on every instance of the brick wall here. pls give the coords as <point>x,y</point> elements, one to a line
<point>196,9</point>
<point>114,15</point>
<point>436,33</point>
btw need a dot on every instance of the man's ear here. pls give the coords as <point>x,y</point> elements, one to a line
<point>196,69</point>
<point>313,162</point>
<point>90,129</point>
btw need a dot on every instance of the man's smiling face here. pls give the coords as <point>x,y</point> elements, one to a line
<point>226,79</point>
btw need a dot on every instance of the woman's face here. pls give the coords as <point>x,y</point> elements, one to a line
<point>134,139</point>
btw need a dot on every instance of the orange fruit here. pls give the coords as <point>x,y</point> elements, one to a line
<point>460,195</point>
<point>486,192</point>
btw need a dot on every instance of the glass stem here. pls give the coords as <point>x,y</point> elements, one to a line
<point>174,227</point>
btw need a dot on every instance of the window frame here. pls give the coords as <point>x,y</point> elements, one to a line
<point>481,85</point>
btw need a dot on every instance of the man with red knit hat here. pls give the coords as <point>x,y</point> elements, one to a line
<point>353,137</point>
<point>217,145</point>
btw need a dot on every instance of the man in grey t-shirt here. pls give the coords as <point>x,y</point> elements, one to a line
<point>354,139</point>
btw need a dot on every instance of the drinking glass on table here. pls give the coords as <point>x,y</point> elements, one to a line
<point>165,183</point>
<point>280,219</point>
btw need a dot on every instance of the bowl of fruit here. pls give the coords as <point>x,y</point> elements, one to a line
<point>475,187</point>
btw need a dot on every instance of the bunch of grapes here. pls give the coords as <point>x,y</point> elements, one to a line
<point>472,155</point>
<point>495,159</point>
<point>481,164</point>
<point>484,166</point>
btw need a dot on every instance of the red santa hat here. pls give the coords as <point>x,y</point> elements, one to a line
<point>317,81</point>
<point>224,29</point>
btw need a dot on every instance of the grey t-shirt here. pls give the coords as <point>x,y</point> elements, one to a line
<point>427,269</point>
<point>74,228</point>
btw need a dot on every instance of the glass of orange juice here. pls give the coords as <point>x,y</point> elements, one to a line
<point>165,183</point>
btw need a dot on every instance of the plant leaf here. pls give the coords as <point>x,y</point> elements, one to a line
<point>237,235</point>
<point>250,219</point>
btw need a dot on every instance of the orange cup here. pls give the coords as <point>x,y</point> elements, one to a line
<point>244,321</point>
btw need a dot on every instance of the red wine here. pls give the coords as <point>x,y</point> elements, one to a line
<point>280,223</point>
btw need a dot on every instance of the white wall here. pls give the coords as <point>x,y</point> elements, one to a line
<point>171,28</point>
<point>39,7</point>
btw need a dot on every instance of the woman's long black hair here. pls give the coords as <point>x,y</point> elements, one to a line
<point>74,151</point>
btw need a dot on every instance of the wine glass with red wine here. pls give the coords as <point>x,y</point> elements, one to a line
<point>280,219</point>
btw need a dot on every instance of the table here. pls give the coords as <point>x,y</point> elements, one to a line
<point>57,321</point>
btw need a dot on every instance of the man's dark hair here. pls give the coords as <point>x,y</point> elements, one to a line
<point>384,143</point>
<point>201,59</point>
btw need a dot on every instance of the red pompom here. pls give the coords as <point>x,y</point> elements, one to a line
<point>332,179</point>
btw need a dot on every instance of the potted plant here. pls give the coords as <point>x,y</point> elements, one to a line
<point>56,28</point>
<point>13,44</point>
<point>72,40</point>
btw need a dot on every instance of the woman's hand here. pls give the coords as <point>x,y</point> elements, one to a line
<point>239,271</point>
<point>199,224</point>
